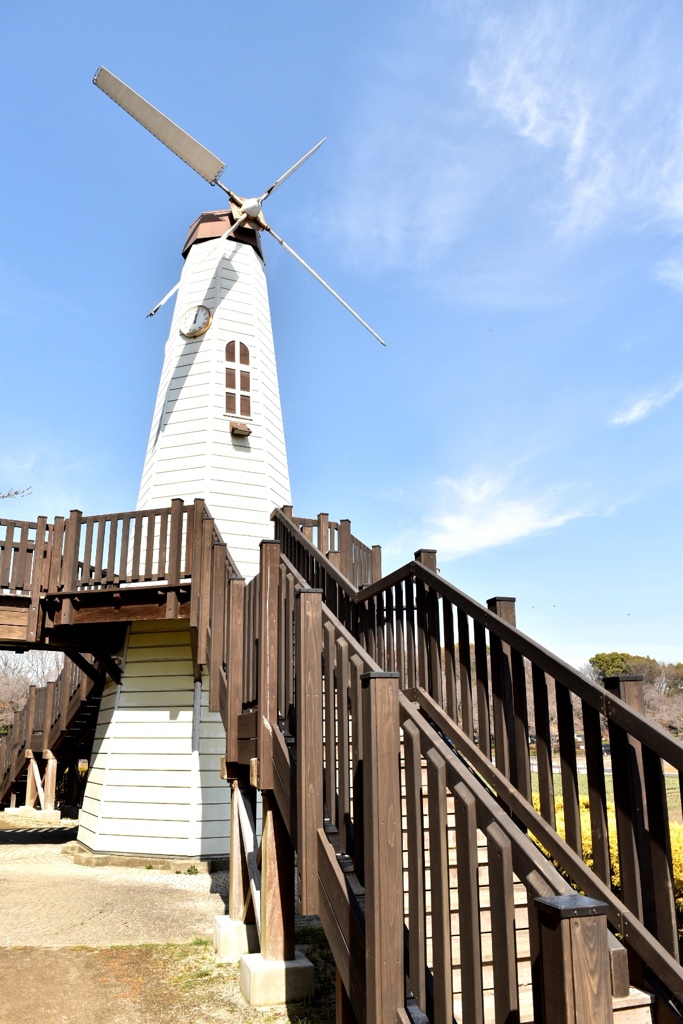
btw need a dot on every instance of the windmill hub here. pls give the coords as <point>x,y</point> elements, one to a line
<point>252,208</point>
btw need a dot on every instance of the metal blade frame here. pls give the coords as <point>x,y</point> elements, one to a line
<point>295,167</point>
<point>338,297</point>
<point>166,131</point>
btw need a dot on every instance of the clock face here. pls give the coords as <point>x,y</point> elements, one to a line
<point>195,321</point>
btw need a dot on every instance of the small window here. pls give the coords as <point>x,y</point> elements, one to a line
<point>235,395</point>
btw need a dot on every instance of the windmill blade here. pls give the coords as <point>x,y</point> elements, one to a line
<point>179,142</point>
<point>325,285</point>
<point>207,255</point>
<point>297,165</point>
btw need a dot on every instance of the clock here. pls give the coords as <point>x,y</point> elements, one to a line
<point>195,321</point>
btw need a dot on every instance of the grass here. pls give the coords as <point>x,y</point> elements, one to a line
<point>673,792</point>
<point>189,979</point>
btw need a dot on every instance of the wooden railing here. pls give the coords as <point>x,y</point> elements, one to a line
<point>43,721</point>
<point>358,563</point>
<point>494,693</point>
<point>366,790</point>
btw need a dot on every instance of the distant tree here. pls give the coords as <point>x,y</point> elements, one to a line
<point>612,664</point>
<point>18,672</point>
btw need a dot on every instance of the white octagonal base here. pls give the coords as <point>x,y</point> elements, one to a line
<point>267,982</point>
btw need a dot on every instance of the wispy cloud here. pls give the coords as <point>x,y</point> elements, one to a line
<point>593,89</point>
<point>488,511</point>
<point>642,407</point>
<point>519,122</point>
<point>670,271</point>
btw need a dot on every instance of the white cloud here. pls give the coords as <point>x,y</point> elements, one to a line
<point>517,121</point>
<point>670,271</point>
<point>484,512</point>
<point>594,89</point>
<point>642,407</point>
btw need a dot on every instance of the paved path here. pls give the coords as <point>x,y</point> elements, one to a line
<point>47,900</point>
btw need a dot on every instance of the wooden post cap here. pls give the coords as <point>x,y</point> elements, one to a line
<point>426,556</point>
<point>367,676</point>
<point>570,906</point>
<point>308,590</point>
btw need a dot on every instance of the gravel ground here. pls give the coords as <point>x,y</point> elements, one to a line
<point>112,945</point>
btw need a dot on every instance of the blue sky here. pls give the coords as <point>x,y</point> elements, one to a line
<point>500,196</point>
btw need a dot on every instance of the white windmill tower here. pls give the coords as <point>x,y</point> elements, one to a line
<point>217,434</point>
<point>217,428</point>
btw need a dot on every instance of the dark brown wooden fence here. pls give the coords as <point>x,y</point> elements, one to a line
<point>425,886</point>
<point>495,695</point>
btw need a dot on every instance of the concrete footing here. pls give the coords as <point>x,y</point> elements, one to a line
<point>267,982</point>
<point>50,817</point>
<point>232,938</point>
<point>82,855</point>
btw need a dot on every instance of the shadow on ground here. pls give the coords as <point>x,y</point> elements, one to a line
<point>27,836</point>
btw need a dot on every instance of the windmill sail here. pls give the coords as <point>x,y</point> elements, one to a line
<point>179,142</point>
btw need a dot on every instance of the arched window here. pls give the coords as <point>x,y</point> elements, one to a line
<point>237,383</point>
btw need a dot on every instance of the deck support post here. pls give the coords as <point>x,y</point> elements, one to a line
<point>50,780</point>
<point>574,960</point>
<point>309,738</point>
<point>383,856</point>
<point>31,788</point>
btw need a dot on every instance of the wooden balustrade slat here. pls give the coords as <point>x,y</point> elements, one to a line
<point>568,771</point>
<point>659,838</point>
<point>468,903</point>
<point>382,848</point>
<point>411,680</point>
<point>434,635</point>
<point>481,671</point>
<point>544,750</point>
<point>101,523</point>
<point>415,851</point>
<point>450,690</point>
<point>421,635</point>
<point>111,556</point>
<point>522,772</point>
<point>330,740</point>
<point>344,750</point>
<point>7,553</point>
<point>465,671</point>
<point>504,946</point>
<point>150,526</point>
<point>163,541</point>
<point>597,798</point>
<point>400,659</point>
<point>357,669</point>
<point>309,728</point>
<point>440,889</point>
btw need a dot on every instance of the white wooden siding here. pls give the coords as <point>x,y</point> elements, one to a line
<point>191,453</point>
<point>148,792</point>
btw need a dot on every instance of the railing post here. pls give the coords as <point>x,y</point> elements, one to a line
<point>217,621</point>
<point>323,532</point>
<point>383,848</point>
<point>574,960</point>
<point>69,577</point>
<point>235,665</point>
<point>277,890</point>
<point>309,745</point>
<point>50,780</point>
<point>345,547</point>
<point>288,511</point>
<point>29,715</point>
<point>175,549</point>
<point>376,563</point>
<point>268,659</point>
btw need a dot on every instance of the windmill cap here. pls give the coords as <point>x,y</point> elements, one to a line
<point>213,224</point>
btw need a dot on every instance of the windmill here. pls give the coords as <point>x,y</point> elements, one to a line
<point>217,428</point>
